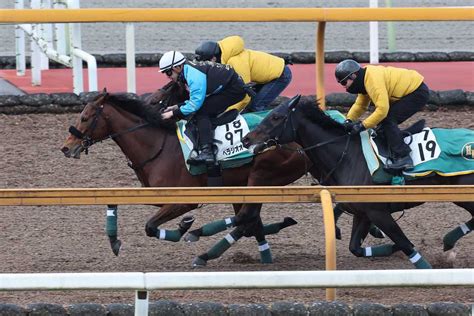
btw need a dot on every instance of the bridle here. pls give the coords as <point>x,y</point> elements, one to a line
<point>86,136</point>
<point>289,120</point>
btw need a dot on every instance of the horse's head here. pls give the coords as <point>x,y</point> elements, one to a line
<point>276,128</point>
<point>90,126</point>
<point>170,94</point>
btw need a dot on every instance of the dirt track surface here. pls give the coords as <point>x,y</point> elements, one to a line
<point>72,238</point>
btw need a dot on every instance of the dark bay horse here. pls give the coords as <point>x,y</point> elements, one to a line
<point>341,161</point>
<point>153,149</point>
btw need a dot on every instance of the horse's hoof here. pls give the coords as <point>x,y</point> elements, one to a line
<point>116,245</point>
<point>190,237</point>
<point>199,263</point>
<point>288,221</point>
<point>447,247</point>
<point>185,224</point>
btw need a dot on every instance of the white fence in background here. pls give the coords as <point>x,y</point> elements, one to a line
<point>144,282</point>
<point>59,42</point>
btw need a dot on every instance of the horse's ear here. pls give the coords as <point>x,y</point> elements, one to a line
<point>105,94</point>
<point>294,101</point>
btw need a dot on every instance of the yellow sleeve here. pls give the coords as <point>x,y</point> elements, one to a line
<point>359,107</point>
<point>377,91</point>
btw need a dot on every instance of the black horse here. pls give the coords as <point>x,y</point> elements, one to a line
<point>341,161</point>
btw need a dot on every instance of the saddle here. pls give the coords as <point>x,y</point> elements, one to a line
<point>445,152</point>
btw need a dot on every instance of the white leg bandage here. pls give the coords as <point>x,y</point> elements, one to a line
<point>229,239</point>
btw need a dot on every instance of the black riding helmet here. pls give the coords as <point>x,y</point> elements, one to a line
<point>346,68</point>
<point>207,50</point>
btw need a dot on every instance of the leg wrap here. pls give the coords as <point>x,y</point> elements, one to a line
<point>379,251</point>
<point>218,249</point>
<point>418,261</point>
<point>111,222</point>
<point>170,235</point>
<point>265,253</point>
<point>453,236</point>
<point>276,227</point>
<point>217,226</point>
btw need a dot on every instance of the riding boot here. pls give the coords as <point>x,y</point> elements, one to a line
<point>401,163</point>
<point>206,155</point>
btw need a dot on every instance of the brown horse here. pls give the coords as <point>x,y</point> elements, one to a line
<point>153,149</point>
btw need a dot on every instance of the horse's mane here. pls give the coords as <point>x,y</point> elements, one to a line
<point>149,112</point>
<point>315,114</point>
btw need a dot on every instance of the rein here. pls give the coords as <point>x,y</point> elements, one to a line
<point>304,149</point>
<point>87,140</point>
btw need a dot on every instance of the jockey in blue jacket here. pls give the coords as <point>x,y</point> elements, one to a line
<point>212,89</point>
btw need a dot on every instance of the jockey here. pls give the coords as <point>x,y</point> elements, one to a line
<point>212,89</point>
<point>269,72</point>
<point>396,93</point>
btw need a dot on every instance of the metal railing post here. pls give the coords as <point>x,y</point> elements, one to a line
<point>330,238</point>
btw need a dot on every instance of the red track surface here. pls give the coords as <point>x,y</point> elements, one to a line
<point>438,76</point>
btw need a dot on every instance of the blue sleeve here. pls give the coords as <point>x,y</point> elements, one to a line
<point>197,83</point>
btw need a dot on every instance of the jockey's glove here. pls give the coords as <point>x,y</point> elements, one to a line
<point>353,127</point>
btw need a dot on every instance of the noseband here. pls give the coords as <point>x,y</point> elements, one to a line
<point>86,136</point>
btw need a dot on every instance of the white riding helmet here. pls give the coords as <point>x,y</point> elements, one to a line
<point>171,59</point>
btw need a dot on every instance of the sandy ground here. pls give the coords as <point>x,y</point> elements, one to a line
<point>72,238</point>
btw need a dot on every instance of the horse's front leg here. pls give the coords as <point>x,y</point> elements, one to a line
<point>360,229</point>
<point>218,226</point>
<point>165,214</point>
<point>361,226</point>
<point>248,222</point>
<point>387,224</point>
<point>111,228</point>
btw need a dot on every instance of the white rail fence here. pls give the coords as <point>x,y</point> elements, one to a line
<point>59,42</point>
<point>142,283</point>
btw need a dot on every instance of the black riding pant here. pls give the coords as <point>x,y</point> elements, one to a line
<point>399,112</point>
<point>215,104</point>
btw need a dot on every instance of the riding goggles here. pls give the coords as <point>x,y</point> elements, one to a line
<point>343,81</point>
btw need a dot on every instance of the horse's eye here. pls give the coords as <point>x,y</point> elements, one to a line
<point>275,117</point>
<point>84,119</point>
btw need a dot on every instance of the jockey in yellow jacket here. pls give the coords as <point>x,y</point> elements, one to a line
<point>396,94</point>
<point>269,72</point>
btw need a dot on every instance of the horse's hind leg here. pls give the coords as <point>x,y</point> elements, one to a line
<point>219,248</point>
<point>387,224</point>
<point>454,235</point>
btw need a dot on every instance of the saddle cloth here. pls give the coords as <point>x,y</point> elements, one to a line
<point>446,152</point>
<point>228,139</point>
